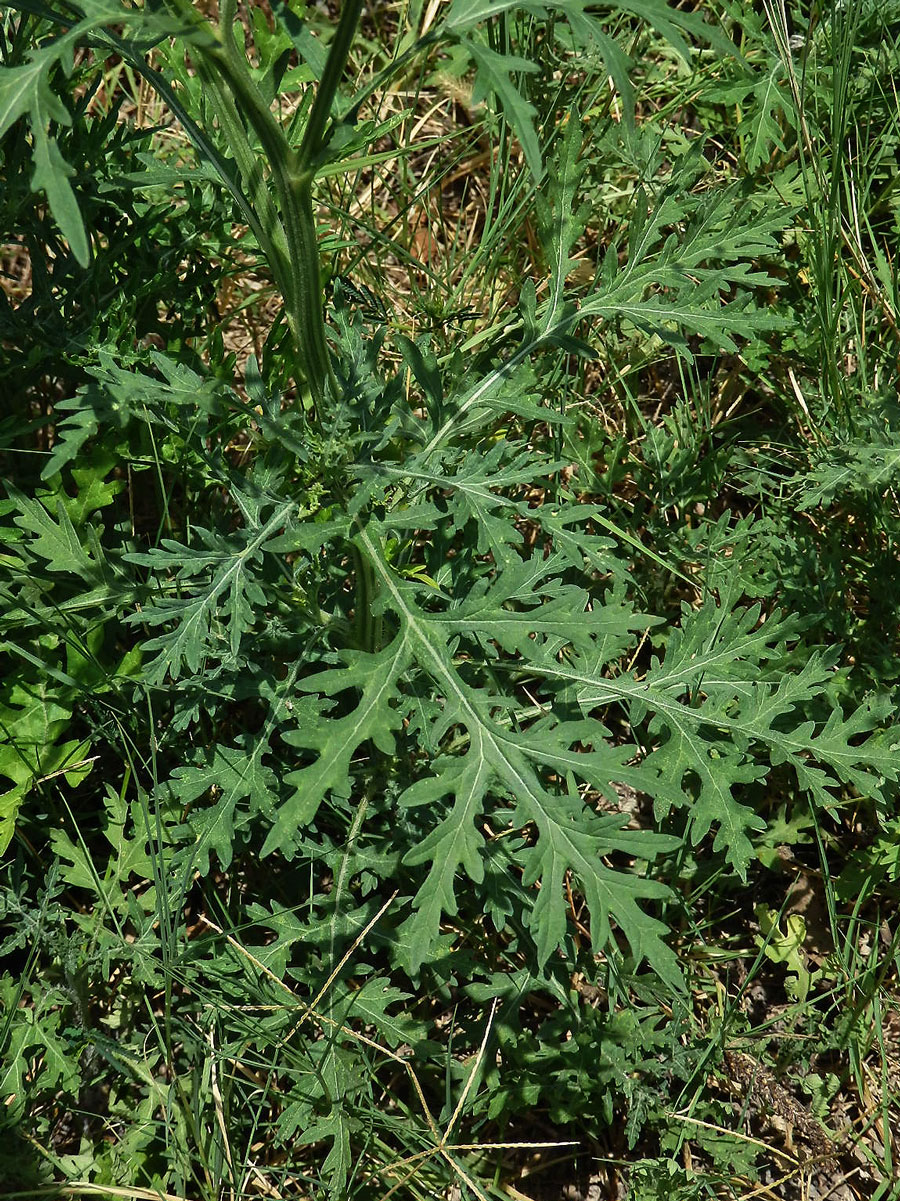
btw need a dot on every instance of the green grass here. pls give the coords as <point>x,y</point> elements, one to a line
<point>450,750</point>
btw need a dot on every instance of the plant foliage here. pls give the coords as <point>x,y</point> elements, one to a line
<point>368,708</point>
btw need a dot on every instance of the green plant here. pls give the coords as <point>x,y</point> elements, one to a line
<point>360,724</point>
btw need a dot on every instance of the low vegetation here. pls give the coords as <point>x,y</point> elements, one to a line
<point>449,621</point>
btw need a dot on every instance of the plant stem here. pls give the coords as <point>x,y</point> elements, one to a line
<point>368,627</point>
<point>314,138</point>
<point>290,242</point>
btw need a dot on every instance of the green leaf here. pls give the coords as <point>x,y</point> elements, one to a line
<point>498,766</point>
<point>855,467</point>
<point>465,14</point>
<point>335,740</point>
<point>563,219</point>
<point>494,73</point>
<point>672,284</point>
<point>719,720</point>
<point>368,1005</point>
<point>52,174</point>
<point>26,91</point>
<point>765,104</point>
<point>34,717</point>
<point>125,831</point>
<point>219,596</point>
<point>229,775</point>
<point>53,536</point>
<point>11,800</point>
<point>585,31</point>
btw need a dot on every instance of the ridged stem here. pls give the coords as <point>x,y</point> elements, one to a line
<point>290,241</point>
<point>314,138</point>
